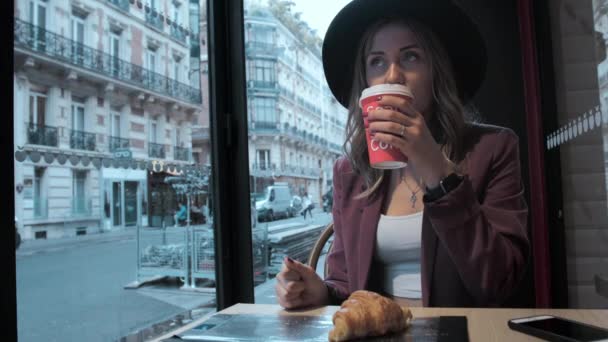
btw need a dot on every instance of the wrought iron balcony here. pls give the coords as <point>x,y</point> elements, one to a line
<point>122,4</point>
<point>41,135</point>
<point>178,33</point>
<point>66,50</point>
<point>118,143</point>
<point>153,18</point>
<point>287,93</point>
<point>264,125</point>
<point>156,150</point>
<point>261,48</point>
<point>181,153</point>
<point>80,140</point>
<point>265,85</point>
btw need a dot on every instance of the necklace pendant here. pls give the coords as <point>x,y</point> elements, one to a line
<point>413,200</point>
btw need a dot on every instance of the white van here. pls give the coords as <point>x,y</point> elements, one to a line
<point>274,202</point>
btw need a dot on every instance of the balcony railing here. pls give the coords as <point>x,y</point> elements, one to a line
<point>82,207</point>
<point>301,171</point>
<point>118,143</point>
<point>265,85</point>
<point>122,4</point>
<point>153,18</point>
<point>41,135</point>
<point>178,33</point>
<point>80,140</point>
<point>262,48</point>
<point>66,50</point>
<point>156,150</point>
<point>264,125</point>
<point>181,153</point>
<point>287,94</point>
<point>263,167</point>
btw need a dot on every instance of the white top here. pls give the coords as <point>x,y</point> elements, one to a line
<point>398,243</point>
<point>306,201</point>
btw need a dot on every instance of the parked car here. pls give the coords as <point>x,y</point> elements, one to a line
<point>295,206</point>
<point>274,202</point>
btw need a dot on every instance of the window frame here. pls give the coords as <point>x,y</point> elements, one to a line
<point>229,152</point>
<point>229,160</point>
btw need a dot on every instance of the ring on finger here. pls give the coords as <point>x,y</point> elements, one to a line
<point>402,133</point>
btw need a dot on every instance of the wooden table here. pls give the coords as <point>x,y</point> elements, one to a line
<point>483,324</point>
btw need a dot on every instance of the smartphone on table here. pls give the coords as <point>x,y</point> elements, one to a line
<point>553,328</point>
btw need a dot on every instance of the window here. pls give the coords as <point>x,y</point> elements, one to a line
<point>40,203</point>
<point>263,159</point>
<point>131,194</point>
<point>263,71</point>
<point>151,60</point>
<point>37,17</point>
<point>79,200</point>
<point>37,110</point>
<point>98,175</point>
<point>77,35</point>
<point>265,112</point>
<point>114,48</point>
<point>115,125</point>
<point>177,69</point>
<point>178,137</point>
<point>78,117</point>
<point>576,146</point>
<point>153,131</point>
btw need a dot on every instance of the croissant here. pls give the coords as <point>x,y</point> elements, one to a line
<point>367,313</point>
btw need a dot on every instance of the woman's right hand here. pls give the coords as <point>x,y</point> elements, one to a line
<point>298,286</point>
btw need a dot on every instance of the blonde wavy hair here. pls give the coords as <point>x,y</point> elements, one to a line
<point>447,122</point>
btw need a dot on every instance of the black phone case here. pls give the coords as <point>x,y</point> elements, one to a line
<point>545,335</point>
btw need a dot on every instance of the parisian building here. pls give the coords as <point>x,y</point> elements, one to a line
<point>296,127</point>
<point>105,94</point>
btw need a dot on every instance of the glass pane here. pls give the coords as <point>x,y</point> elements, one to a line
<point>131,206</point>
<point>287,88</point>
<point>32,105</point>
<point>41,109</point>
<point>579,146</point>
<point>117,203</point>
<point>41,16</point>
<point>98,212</point>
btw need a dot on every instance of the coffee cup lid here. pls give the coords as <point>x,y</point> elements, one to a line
<point>382,89</point>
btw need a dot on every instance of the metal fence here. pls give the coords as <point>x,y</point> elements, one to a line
<point>203,255</point>
<point>162,252</point>
<point>189,253</point>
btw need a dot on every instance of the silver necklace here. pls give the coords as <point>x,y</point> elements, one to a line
<point>413,197</point>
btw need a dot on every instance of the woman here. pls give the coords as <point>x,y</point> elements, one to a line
<point>450,228</point>
<point>307,205</point>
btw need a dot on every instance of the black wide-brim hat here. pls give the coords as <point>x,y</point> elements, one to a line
<point>454,28</point>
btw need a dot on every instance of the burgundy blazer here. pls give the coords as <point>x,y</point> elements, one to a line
<point>474,239</point>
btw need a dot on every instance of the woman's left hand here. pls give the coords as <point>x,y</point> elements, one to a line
<point>404,127</point>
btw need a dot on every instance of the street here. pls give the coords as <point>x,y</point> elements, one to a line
<point>74,290</point>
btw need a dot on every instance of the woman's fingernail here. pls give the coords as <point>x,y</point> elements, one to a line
<point>289,260</point>
<point>378,98</point>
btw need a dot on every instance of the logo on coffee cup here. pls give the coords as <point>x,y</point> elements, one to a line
<point>379,145</point>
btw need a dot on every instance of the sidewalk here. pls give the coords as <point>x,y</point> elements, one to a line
<point>29,247</point>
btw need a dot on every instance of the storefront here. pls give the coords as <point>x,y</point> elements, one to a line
<point>124,198</point>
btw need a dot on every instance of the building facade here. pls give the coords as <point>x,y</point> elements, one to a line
<point>296,127</point>
<point>102,92</point>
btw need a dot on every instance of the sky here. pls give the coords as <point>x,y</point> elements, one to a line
<point>315,17</point>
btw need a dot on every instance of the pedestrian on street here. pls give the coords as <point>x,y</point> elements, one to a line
<point>307,205</point>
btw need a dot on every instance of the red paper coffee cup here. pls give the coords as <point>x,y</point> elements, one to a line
<point>381,155</point>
